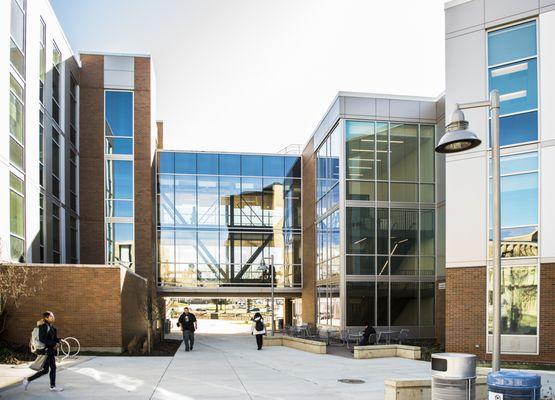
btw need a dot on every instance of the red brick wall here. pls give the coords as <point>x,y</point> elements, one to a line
<point>87,303</point>
<point>91,159</point>
<point>466,314</point>
<point>309,234</point>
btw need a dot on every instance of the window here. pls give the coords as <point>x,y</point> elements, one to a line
<point>519,205</point>
<point>73,180</point>
<point>17,35</point>
<point>56,76</point>
<point>41,229</point>
<point>519,300</point>
<point>73,110</point>
<point>42,60</point>
<point>119,179</point>
<point>513,70</point>
<point>73,242</point>
<point>17,132</point>
<point>359,226</point>
<point>17,219</point>
<point>56,240</point>
<point>56,162</point>
<point>41,148</point>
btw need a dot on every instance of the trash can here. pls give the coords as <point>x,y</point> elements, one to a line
<point>453,376</point>
<point>167,326</point>
<point>280,324</point>
<point>507,385</point>
<point>214,315</point>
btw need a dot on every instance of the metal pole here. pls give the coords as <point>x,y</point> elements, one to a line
<point>496,193</point>
<point>272,271</point>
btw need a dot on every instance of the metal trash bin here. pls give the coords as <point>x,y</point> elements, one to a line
<point>167,325</point>
<point>453,376</point>
<point>511,385</point>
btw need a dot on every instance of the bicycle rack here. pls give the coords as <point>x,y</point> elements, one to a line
<point>65,347</point>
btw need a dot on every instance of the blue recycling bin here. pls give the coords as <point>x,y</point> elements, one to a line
<point>514,385</point>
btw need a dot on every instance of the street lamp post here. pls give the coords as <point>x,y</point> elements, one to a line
<point>271,268</point>
<point>458,138</point>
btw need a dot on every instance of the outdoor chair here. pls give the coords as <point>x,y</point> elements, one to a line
<point>403,335</point>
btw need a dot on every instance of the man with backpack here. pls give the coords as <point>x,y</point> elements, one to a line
<point>44,343</point>
<point>188,323</point>
<point>258,329</point>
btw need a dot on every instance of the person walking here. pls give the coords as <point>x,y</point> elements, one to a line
<point>258,329</point>
<point>188,323</point>
<point>48,335</point>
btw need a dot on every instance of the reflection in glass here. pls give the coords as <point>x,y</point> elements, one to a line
<point>119,244</point>
<point>119,113</point>
<point>404,303</point>
<point>404,152</point>
<point>360,224</point>
<point>119,179</point>
<point>519,300</point>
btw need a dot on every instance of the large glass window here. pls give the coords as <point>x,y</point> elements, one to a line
<point>56,138</point>
<point>519,300</point>
<point>56,82</point>
<point>42,60</point>
<point>56,232</point>
<point>17,34</point>
<point>513,70</point>
<point>119,179</point>
<point>519,205</point>
<point>17,219</point>
<point>17,132</point>
<point>225,222</point>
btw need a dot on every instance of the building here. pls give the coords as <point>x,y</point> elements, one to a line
<point>373,208</point>
<point>219,215</point>
<point>504,45</point>
<point>39,150</point>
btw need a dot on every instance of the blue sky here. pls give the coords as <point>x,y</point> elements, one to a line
<point>257,75</point>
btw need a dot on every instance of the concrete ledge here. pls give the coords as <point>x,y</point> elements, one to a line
<point>421,389</point>
<point>311,346</point>
<point>390,350</point>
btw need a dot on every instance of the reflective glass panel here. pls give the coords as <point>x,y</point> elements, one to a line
<point>186,247</point>
<point>512,43</point>
<point>273,165</point>
<point>185,163</point>
<point>361,303</point>
<point>166,162</point>
<point>360,150</point>
<point>251,165</point>
<point>207,163</point>
<point>517,84</point>
<point>427,295</point>
<point>116,145</point>
<point>119,113</point>
<point>404,232</point>
<point>230,164</point>
<point>518,128</point>
<point>427,153</point>
<point>404,304</point>
<point>427,232</point>
<point>382,151</point>
<point>186,211</point>
<point>519,300</point>
<point>360,190</point>
<point>404,152</point>
<point>361,265</point>
<point>359,225</point>
<point>119,179</point>
<point>292,166</point>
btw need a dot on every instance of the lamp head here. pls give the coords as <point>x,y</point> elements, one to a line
<point>457,138</point>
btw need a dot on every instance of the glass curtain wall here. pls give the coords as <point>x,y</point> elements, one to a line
<point>220,214</point>
<point>390,225</point>
<point>119,181</point>
<point>513,70</point>
<point>328,260</point>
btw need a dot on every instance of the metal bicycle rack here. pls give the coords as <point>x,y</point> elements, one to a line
<point>66,348</point>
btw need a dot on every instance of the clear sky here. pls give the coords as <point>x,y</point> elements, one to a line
<point>257,75</point>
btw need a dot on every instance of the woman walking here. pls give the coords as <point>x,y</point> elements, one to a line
<point>258,329</point>
<point>49,337</point>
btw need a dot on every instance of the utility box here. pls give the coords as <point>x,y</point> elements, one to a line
<point>453,376</point>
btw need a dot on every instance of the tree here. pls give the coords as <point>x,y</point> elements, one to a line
<point>150,310</point>
<point>16,283</point>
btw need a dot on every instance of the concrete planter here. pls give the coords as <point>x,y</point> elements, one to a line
<point>311,346</point>
<point>390,350</point>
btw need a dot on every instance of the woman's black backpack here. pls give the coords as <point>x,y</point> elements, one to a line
<point>259,325</point>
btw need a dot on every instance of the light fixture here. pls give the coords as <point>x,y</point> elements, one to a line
<point>458,137</point>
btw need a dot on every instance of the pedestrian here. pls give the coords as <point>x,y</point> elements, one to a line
<point>258,329</point>
<point>365,339</point>
<point>48,336</point>
<point>188,323</point>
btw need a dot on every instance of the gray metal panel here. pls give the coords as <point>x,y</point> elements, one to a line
<point>427,110</point>
<point>382,108</point>
<point>464,16</point>
<point>359,106</point>
<point>545,3</point>
<point>501,9</point>
<point>404,109</point>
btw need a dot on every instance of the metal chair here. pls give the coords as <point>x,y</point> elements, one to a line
<point>403,335</point>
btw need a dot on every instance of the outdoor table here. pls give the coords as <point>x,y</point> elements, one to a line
<point>329,334</point>
<point>357,336</point>
<point>387,336</point>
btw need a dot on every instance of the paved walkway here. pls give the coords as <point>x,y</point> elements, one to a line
<point>225,367</point>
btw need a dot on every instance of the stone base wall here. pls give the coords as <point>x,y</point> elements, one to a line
<point>97,304</point>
